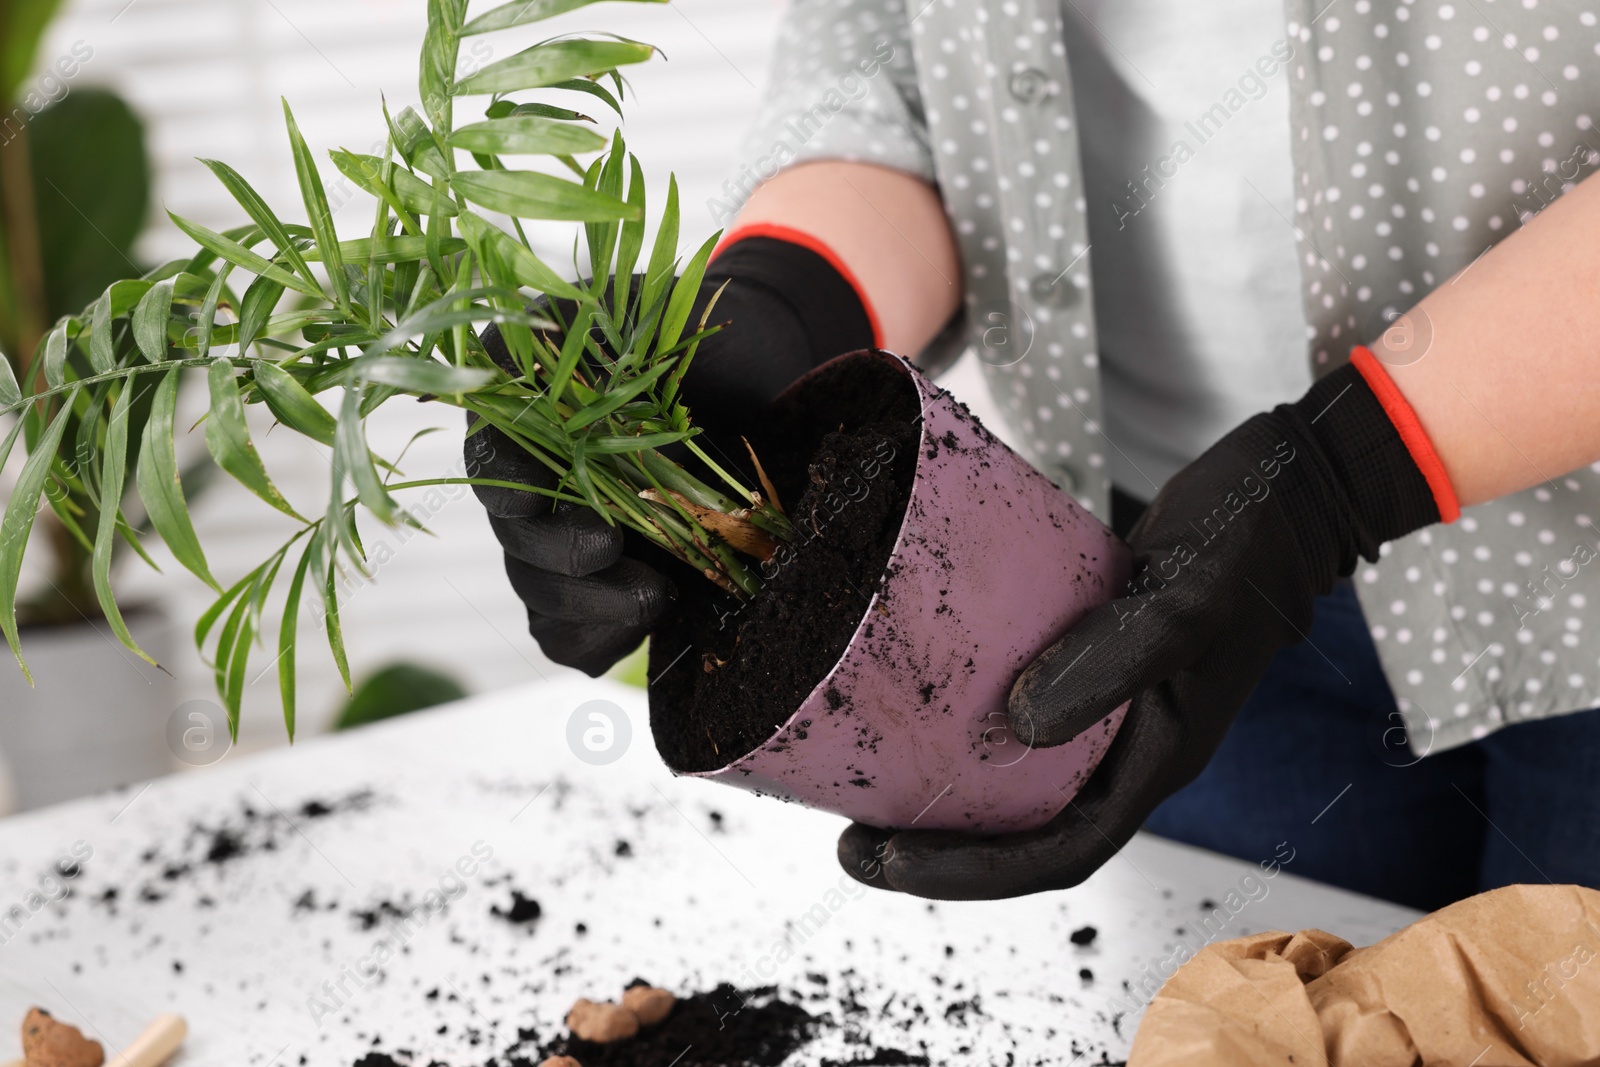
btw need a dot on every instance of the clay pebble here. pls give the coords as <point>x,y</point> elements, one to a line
<point>601,1023</point>
<point>48,1042</point>
<point>649,1004</point>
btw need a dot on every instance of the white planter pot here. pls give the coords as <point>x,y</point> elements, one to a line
<point>97,716</point>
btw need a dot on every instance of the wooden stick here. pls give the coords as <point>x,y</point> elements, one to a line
<point>155,1044</point>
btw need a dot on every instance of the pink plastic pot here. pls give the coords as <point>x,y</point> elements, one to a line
<point>993,564</point>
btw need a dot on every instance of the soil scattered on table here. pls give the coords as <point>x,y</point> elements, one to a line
<point>211,848</point>
<point>523,909</point>
<point>761,1027</point>
<point>727,674</point>
<point>726,1026</point>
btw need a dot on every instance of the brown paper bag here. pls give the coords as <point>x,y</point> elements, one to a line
<point>1509,978</point>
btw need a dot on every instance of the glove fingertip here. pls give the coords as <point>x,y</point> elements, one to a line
<point>591,648</point>
<point>863,850</point>
<point>657,595</point>
<point>1111,655</point>
<point>591,547</point>
<point>1049,707</point>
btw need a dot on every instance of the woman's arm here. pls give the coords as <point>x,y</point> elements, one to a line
<point>889,228</point>
<point>1508,388</point>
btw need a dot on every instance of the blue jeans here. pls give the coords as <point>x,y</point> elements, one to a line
<point>1316,759</point>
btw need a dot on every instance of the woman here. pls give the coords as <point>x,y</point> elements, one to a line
<point>1145,216</point>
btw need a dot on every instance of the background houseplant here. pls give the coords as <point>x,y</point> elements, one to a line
<point>74,193</point>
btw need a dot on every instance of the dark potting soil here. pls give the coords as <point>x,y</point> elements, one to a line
<point>841,452</point>
<point>726,1027</point>
<point>523,909</point>
<point>212,847</point>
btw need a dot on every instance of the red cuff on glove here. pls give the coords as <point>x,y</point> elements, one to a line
<point>1410,429</point>
<point>807,241</point>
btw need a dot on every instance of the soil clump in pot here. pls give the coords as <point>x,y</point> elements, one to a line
<point>841,451</point>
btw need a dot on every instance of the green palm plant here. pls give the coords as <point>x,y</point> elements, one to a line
<point>592,393</point>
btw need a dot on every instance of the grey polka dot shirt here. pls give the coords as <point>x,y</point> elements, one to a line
<point>1423,132</point>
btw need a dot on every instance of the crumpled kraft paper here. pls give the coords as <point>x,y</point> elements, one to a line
<point>1508,978</point>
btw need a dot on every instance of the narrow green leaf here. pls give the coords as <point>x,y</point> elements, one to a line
<point>55,355</point>
<point>131,538</point>
<point>572,345</point>
<point>260,300</point>
<point>610,445</point>
<point>126,294</point>
<point>293,405</point>
<point>415,141</point>
<point>544,65</point>
<point>407,191</point>
<point>580,474</point>
<point>664,256</point>
<point>669,393</point>
<point>10,440</point>
<point>684,292</point>
<point>161,486</point>
<point>113,477</point>
<point>262,216</point>
<point>438,230</point>
<point>288,637</point>
<point>641,343</point>
<point>550,111</point>
<point>522,12</point>
<point>327,577</point>
<point>617,396</point>
<point>394,249</point>
<point>208,310</point>
<point>21,508</point>
<point>240,256</point>
<point>531,195</point>
<point>527,135</point>
<point>594,89</point>
<point>102,343</point>
<point>150,320</point>
<point>438,317</point>
<point>602,236</point>
<point>228,439</point>
<point>437,61</point>
<point>316,201</point>
<point>353,459</point>
<point>426,376</point>
<point>10,392</point>
<point>631,242</point>
<point>367,172</point>
<point>233,686</point>
<point>529,270</point>
<point>208,621</point>
<point>233,644</point>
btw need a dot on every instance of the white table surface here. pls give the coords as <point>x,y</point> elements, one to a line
<point>225,943</point>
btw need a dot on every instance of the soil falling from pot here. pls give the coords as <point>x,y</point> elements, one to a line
<point>842,451</point>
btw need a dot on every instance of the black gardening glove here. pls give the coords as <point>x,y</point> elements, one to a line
<point>593,591</point>
<point>1229,559</point>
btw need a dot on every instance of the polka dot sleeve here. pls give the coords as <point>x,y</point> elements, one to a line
<point>843,86</point>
